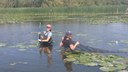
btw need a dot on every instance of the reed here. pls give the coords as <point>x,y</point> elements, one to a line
<point>87,13</point>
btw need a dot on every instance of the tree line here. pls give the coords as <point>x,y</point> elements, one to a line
<point>59,3</point>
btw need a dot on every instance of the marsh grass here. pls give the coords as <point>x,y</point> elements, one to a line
<point>89,14</point>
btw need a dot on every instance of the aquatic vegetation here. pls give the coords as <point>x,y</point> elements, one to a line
<point>113,68</point>
<point>123,50</point>
<point>2,44</point>
<point>107,69</point>
<point>71,56</point>
<point>69,59</point>
<point>124,41</point>
<point>22,49</point>
<point>91,64</point>
<point>81,34</point>
<point>14,63</point>
<point>113,43</point>
<point>123,71</point>
<point>105,62</point>
<point>89,14</point>
<point>24,46</point>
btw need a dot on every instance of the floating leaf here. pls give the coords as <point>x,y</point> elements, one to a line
<point>77,62</point>
<point>124,41</point>
<point>76,52</point>
<point>124,50</point>
<point>106,64</point>
<point>81,34</point>
<point>22,62</point>
<point>107,69</point>
<point>12,64</point>
<point>70,56</point>
<point>69,59</point>
<point>112,57</point>
<point>67,53</point>
<point>123,71</point>
<point>22,49</point>
<point>2,44</point>
<point>120,66</point>
<point>24,46</point>
<point>92,64</point>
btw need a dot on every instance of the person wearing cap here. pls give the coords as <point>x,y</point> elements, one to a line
<point>67,43</point>
<point>46,38</point>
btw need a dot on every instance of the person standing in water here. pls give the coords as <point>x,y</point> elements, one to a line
<point>45,40</point>
<point>67,43</point>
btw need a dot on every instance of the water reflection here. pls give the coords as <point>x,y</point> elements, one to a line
<point>68,65</point>
<point>47,51</point>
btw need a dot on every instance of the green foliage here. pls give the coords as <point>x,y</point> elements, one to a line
<point>106,63</point>
<point>89,14</point>
<point>2,44</point>
<point>59,3</point>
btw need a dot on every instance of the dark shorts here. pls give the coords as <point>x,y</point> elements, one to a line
<point>45,44</point>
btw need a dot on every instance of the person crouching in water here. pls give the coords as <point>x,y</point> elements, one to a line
<point>46,40</point>
<point>67,42</point>
<point>67,45</point>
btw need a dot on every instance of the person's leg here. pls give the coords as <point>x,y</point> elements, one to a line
<point>41,50</point>
<point>48,51</point>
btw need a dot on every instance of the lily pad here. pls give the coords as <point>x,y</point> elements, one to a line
<point>112,57</point>
<point>106,64</point>
<point>92,64</point>
<point>123,71</point>
<point>12,64</point>
<point>24,46</point>
<point>70,56</point>
<point>22,49</point>
<point>81,34</point>
<point>107,69</point>
<point>76,52</point>
<point>120,66</point>
<point>124,41</point>
<point>69,59</point>
<point>67,53</point>
<point>123,50</point>
<point>2,44</point>
<point>77,62</point>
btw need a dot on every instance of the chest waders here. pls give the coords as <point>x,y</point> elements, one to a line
<point>46,44</point>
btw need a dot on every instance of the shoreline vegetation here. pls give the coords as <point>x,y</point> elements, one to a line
<point>88,14</point>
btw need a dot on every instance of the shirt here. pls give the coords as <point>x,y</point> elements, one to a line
<point>67,43</point>
<point>47,34</point>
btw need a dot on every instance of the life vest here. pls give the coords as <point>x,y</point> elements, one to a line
<point>66,43</point>
<point>45,36</point>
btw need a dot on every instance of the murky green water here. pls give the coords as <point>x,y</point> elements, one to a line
<point>15,58</point>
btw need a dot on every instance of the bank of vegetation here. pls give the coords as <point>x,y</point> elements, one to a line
<point>90,11</point>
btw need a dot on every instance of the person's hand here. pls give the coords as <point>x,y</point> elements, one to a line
<point>77,43</point>
<point>39,40</point>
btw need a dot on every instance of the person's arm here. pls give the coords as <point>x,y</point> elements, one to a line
<point>46,40</point>
<point>73,46</point>
<point>61,44</point>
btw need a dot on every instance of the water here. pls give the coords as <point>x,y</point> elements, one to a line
<point>109,37</point>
